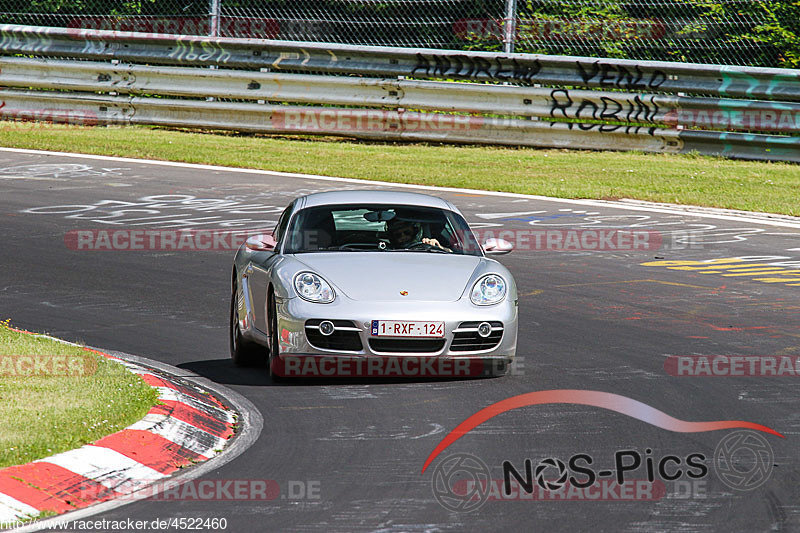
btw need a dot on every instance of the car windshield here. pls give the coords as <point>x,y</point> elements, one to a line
<point>380,228</point>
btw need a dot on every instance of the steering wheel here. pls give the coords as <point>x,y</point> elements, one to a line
<point>418,246</point>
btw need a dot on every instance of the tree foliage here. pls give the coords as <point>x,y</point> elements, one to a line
<point>745,32</point>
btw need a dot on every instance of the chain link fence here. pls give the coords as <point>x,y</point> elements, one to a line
<point>735,32</point>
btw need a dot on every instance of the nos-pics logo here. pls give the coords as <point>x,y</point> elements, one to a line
<point>462,482</point>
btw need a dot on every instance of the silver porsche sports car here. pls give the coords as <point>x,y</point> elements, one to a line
<point>371,275</point>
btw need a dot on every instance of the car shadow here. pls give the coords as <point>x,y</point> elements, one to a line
<point>224,372</point>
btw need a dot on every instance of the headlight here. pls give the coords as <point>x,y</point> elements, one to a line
<point>313,288</point>
<point>488,290</point>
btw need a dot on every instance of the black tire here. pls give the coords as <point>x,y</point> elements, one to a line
<point>243,352</point>
<point>272,336</point>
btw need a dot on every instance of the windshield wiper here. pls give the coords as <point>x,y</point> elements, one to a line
<point>428,250</point>
<point>344,248</point>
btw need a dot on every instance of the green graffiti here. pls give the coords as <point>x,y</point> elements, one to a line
<point>766,86</point>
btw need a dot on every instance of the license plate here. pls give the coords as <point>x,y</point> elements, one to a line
<point>407,328</point>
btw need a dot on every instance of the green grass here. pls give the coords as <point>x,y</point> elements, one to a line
<point>684,179</point>
<point>44,415</point>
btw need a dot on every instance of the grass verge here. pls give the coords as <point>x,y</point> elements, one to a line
<point>74,397</point>
<point>684,179</point>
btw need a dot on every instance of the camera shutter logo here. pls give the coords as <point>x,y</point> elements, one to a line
<point>542,467</point>
<point>466,471</point>
<point>744,460</point>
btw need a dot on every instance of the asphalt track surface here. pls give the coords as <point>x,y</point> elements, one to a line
<point>588,320</point>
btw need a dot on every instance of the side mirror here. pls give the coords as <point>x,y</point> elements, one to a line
<point>497,247</point>
<point>261,243</point>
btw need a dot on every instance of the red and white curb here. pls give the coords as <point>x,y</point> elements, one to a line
<point>189,426</point>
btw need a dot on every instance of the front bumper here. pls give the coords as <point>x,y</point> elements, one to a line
<point>355,317</point>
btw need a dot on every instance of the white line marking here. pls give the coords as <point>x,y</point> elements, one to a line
<point>490,216</point>
<point>634,205</point>
<point>30,178</point>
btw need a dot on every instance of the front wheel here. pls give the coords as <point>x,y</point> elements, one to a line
<point>243,352</point>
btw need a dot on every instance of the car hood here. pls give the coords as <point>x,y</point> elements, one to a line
<point>384,276</point>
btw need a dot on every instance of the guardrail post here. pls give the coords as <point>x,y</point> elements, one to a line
<point>510,27</point>
<point>214,13</point>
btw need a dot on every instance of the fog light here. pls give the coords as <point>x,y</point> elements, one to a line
<point>326,327</point>
<point>484,329</point>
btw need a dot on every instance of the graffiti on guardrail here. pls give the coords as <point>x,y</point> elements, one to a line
<point>627,108</point>
<point>366,121</point>
<point>563,106</point>
<point>619,77</point>
<point>553,70</point>
<point>596,73</point>
<point>734,115</point>
<point>197,50</point>
<point>572,118</point>
<point>742,81</point>
<point>33,41</point>
<point>466,66</point>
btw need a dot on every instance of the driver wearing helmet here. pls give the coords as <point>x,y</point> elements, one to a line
<point>404,234</point>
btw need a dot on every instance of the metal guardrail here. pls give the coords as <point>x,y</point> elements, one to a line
<point>621,107</point>
<point>521,69</point>
<point>361,123</point>
<point>632,111</point>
